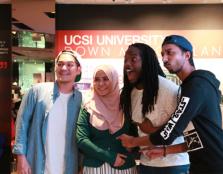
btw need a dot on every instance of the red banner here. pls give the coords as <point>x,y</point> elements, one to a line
<point>113,43</point>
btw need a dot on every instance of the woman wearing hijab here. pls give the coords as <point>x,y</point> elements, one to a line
<point>100,122</point>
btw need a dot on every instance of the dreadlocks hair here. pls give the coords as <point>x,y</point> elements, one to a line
<point>149,79</point>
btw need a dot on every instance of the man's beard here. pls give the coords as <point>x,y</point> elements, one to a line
<point>171,71</point>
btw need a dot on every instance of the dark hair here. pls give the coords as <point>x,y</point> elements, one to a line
<point>182,42</point>
<point>191,61</point>
<point>149,79</point>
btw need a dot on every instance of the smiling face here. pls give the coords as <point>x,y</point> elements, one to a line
<point>66,69</point>
<point>102,84</point>
<point>132,64</point>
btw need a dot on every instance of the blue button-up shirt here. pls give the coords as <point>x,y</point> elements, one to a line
<point>31,127</point>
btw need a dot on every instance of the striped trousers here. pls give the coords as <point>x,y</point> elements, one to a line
<point>107,169</point>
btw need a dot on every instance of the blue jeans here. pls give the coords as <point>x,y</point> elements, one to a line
<point>184,169</point>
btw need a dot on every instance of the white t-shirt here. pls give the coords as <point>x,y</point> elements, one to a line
<point>55,138</point>
<point>164,107</point>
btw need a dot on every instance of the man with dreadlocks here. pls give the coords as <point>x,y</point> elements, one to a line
<point>143,99</point>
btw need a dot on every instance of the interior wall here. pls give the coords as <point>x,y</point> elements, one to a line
<point>154,17</point>
<point>200,17</point>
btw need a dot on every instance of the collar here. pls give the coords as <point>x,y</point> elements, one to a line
<point>56,91</point>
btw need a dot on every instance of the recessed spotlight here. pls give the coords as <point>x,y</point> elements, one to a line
<point>14,32</point>
<point>166,1</point>
<point>50,14</point>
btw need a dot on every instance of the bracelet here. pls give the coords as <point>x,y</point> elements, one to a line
<point>164,150</point>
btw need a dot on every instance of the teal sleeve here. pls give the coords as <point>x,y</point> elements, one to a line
<point>86,145</point>
<point>133,131</point>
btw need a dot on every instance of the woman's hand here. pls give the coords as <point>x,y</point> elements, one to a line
<point>120,160</point>
<point>126,140</point>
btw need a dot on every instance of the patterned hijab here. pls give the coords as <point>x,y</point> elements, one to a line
<point>104,111</point>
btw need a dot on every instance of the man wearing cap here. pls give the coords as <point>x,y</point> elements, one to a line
<point>197,115</point>
<point>46,122</point>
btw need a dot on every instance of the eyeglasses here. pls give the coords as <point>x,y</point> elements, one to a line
<point>70,52</point>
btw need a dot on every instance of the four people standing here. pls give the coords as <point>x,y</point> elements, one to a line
<point>45,130</point>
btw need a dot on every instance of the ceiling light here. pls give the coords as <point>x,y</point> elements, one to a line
<point>129,1</point>
<point>50,14</point>
<point>166,1</point>
<point>13,32</point>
